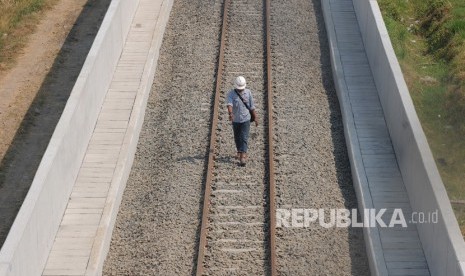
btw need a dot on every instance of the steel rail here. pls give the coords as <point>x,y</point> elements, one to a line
<point>211,153</point>
<point>271,173</point>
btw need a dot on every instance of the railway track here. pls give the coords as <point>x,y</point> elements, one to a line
<point>238,229</point>
<point>154,232</point>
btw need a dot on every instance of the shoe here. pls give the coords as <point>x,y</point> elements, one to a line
<point>242,162</point>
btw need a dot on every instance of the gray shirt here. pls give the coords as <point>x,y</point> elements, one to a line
<point>240,113</point>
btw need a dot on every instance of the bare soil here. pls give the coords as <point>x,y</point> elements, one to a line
<point>34,93</point>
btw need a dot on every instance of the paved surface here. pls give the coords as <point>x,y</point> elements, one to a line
<point>401,247</point>
<point>75,238</point>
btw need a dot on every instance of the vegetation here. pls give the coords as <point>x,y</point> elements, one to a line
<point>429,40</point>
<point>18,19</point>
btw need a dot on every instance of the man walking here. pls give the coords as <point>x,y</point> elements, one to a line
<point>241,111</point>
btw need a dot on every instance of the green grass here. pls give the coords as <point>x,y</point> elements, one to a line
<point>428,37</point>
<point>18,19</point>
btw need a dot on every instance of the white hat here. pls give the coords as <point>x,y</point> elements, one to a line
<point>239,83</point>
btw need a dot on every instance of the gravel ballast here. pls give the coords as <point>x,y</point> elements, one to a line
<point>157,228</point>
<point>313,169</point>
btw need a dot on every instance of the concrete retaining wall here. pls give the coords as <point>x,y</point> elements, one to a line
<point>442,242</point>
<point>30,239</point>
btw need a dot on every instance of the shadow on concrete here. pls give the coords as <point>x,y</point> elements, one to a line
<point>18,167</point>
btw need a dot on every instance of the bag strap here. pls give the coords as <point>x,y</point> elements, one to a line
<point>242,100</point>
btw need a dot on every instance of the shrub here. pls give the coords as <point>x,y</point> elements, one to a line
<point>432,16</point>
<point>445,36</point>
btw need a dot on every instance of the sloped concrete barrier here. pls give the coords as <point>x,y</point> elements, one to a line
<point>123,168</point>
<point>371,235</point>
<point>29,241</point>
<point>442,241</point>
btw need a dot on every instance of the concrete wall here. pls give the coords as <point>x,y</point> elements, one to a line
<point>442,242</point>
<point>30,239</point>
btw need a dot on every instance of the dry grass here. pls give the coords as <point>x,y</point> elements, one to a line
<point>18,19</point>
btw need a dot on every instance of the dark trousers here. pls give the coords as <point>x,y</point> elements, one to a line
<point>241,135</point>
